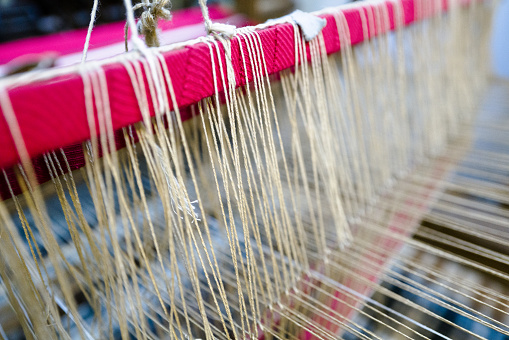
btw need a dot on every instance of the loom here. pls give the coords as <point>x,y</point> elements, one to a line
<point>339,174</point>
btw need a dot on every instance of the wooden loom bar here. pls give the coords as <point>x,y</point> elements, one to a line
<point>51,113</point>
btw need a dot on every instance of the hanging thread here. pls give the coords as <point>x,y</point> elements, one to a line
<point>215,27</point>
<point>89,32</point>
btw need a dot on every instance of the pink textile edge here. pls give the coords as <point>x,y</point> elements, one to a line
<point>54,116</point>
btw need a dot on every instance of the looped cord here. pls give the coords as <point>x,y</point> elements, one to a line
<point>147,25</point>
<point>215,27</point>
<point>131,24</point>
<point>140,46</point>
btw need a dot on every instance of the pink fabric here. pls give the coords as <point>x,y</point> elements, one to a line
<point>51,113</point>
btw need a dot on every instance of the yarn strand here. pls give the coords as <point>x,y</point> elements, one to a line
<point>147,24</point>
<point>89,32</point>
<point>215,27</point>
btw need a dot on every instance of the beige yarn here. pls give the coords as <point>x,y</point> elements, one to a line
<point>274,209</point>
<point>147,25</point>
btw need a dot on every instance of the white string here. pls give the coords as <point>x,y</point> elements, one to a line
<point>89,32</point>
<point>376,303</point>
<point>140,46</point>
<point>215,27</point>
<point>135,38</point>
<point>147,24</point>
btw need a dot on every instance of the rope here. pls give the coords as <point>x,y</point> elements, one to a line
<point>147,25</point>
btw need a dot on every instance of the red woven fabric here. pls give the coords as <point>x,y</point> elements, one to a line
<point>51,113</point>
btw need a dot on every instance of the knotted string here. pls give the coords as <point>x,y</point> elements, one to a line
<point>215,27</point>
<point>138,43</point>
<point>159,9</point>
<point>147,25</point>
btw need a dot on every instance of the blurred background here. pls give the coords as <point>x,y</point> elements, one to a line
<point>28,18</point>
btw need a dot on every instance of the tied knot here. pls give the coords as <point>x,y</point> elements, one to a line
<point>147,25</point>
<point>216,28</point>
<point>222,29</point>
